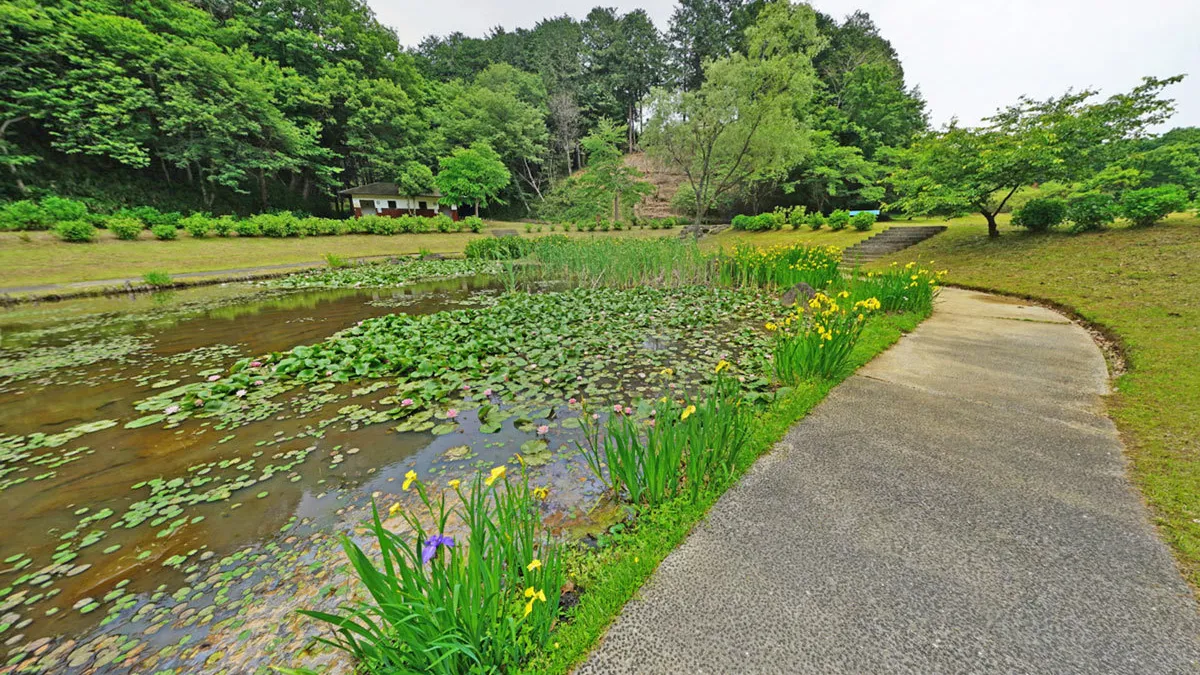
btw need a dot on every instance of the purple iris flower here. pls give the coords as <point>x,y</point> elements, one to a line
<point>431,546</point>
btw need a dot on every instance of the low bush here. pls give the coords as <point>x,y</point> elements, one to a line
<point>863,221</point>
<point>79,231</point>
<point>760,223</point>
<point>24,215</point>
<point>198,225</point>
<point>152,216</point>
<point>276,225</point>
<point>1091,211</point>
<point>223,226</point>
<point>60,209</point>
<point>247,228</point>
<point>839,219</point>
<point>796,217</point>
<point>1041,214</point>
<point>815,220</point>
<point>164,231</point>
<point>1147,206</point>
<point>128,229</point>
<point>474,223</point>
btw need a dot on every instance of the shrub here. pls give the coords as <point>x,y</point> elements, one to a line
<point>276,225</point>
<point>164,231</point>
<point>1041,214</point>
<point>815,220</point>
<point>79,231</point>
<point>157,279</point>
<point>198,225</point>
<point>759,223</point>
<point>1091,211</point>
<point>223,226</point>
<point>474,223</point>
<point>839,219</point>
<point>247,228</point>
<point>863,220</point>
<point>23,215</point>
<point>125,228</point>
<point>152,216</point>
<point>59,209</point>
<point>336,262</point>
<point>1147,206</point>
<point>796,217</point>
<point>444,223</point>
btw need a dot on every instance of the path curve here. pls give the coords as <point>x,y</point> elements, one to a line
<point>959,505</point>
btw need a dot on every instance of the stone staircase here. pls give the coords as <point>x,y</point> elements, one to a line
<point>889,241</point>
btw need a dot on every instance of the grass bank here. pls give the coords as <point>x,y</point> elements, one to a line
<point>1142,285</point>
<point>612,575</point>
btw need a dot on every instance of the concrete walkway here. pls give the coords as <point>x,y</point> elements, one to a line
<point>960,505</point>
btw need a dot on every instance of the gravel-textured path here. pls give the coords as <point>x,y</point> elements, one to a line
<point>959,506</point>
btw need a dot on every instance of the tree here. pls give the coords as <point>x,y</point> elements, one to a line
<point>707,30</point>
<point>738,126</point>
<point>607,177</point>
<point>472,175</point>
<point>415,179</point>
<point>960,169</point>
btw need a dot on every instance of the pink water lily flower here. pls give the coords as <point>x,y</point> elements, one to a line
<point>543,430</point>
<point>617,408</point>
<point>258,383</point>
<point>466,387</point>
<point>171,409</point>
<point>213,378</point>
<point>240,393</point>
<point>487,392</point>
<point>546,380</point>
<point>198,402</point>
<point>451,413</point>
<point>595,416</point>
<point>256,364</point>
<point>406,402</point>
<point>571,401</point>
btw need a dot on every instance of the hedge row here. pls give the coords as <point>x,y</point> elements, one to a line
<point>1094,210</point>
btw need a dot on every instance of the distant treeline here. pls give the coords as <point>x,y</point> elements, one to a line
<point>241,106</point>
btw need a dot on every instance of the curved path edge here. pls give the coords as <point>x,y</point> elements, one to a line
<point>961,504</point>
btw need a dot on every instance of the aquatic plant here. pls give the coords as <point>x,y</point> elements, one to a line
<point>677,447</point>
<point>481,602</point>
<point>157,279</point>
<point>907,288</point>
<point>815,341</point>
<point>780,266</point>
<point>622,263</point>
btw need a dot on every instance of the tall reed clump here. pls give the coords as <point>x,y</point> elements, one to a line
<point>623,263</point>
<point>910,288</point>
<point>816,340</point>
<point>481,602</point>
<point>682,448</point>
<point>780,266</point>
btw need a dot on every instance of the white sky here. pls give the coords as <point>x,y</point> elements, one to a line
<point>969,57</point>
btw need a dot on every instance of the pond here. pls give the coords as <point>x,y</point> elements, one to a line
<point>165,513</point>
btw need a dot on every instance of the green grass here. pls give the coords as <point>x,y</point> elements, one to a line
<point>1142,286</point>
<point>610,577</point>
<point>45,259</point>
<point>787,236</point>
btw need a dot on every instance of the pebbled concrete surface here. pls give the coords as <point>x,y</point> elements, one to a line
<point>958,506</point>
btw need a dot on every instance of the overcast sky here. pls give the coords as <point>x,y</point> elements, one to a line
<point>969,57</point>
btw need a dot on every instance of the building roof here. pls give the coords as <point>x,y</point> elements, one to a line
<point>388,189</point>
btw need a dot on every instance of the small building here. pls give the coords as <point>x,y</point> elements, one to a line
<point>384,199</point>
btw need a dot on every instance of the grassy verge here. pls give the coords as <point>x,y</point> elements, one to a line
<point>1141,286</point>
<point>37,258</point>
<point>789,237</point>
<point>610,576</point>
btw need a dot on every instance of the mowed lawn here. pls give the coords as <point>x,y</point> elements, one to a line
<point>1143,285</point>
<point>44,259</point>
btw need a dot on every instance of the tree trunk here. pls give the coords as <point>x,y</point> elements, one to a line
<point>993,229</point>
<point>617,207</point>
<point>262,188</point>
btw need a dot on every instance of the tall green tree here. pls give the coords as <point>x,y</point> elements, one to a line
<point>739,126</point>
<point>473,175</point>
<point>607,178</point>
<point>415,179</point>
<point>707,30</point>
<point>961,169</point>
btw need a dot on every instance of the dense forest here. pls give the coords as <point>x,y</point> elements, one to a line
<point>241,106</point>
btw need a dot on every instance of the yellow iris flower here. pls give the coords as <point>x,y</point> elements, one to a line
<point>454,484</point>
<point>496,474</point>
<point>536,564</point>
<point>687,412</point>
<point>721,365</point>
<point>533,596</point>
<point>408,479</point>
